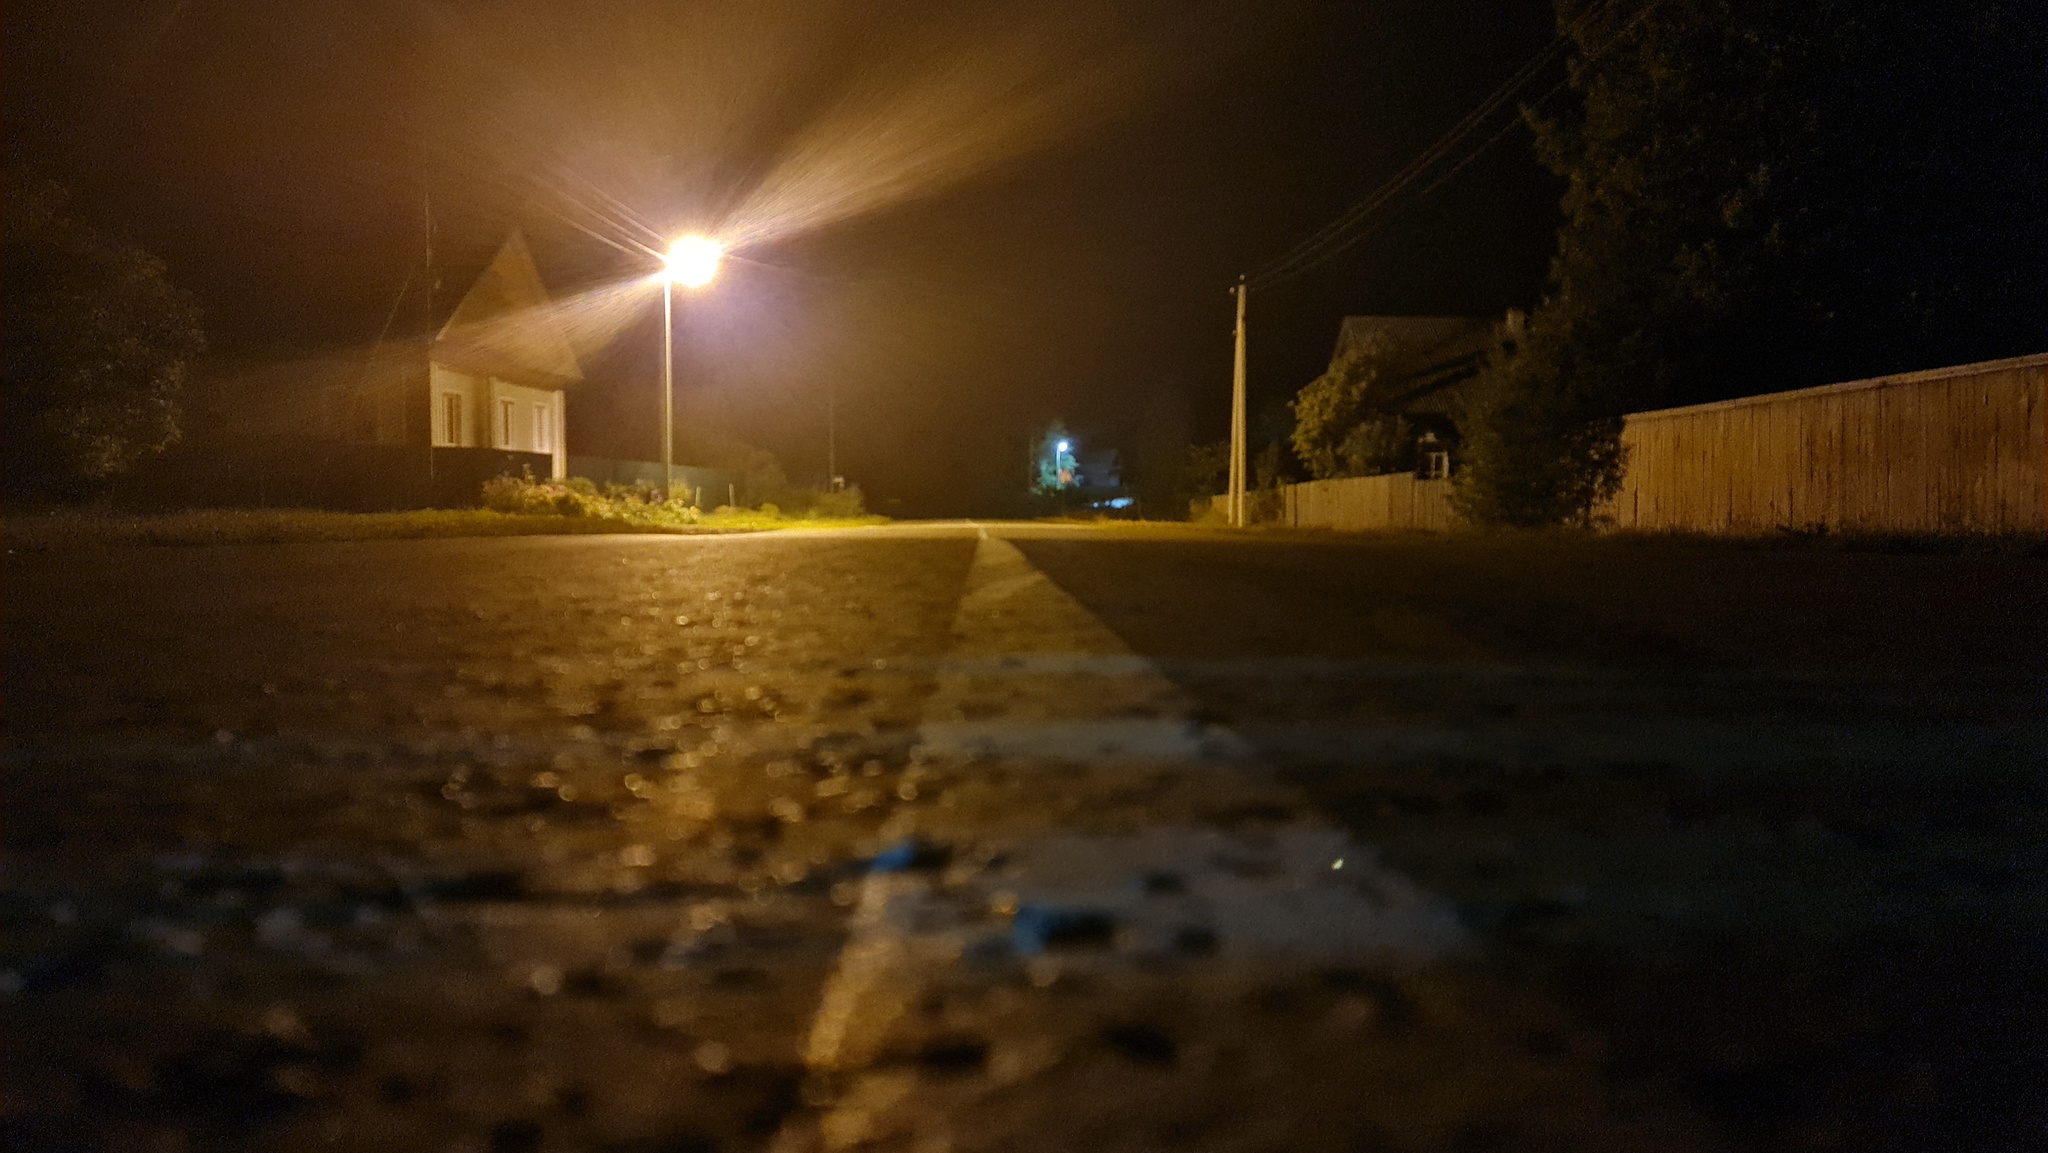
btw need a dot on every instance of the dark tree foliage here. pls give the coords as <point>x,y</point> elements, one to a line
<point>1764,195</point>
<point>97,343</point>
<point>1339,430</point>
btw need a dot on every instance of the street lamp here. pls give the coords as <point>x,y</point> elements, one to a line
<point>693,263</point>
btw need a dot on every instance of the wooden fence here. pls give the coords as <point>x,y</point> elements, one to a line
<point>1951,450</point>
<point>1960,449</point>
<point>1361,503</point>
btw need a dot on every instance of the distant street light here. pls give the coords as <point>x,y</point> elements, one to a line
<point>693,263</point>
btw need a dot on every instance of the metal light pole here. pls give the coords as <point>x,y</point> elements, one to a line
<point>693,263</point>
<point>668,388</point>
<point>1237,430</point>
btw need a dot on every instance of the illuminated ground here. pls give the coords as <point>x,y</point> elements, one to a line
<point>1024,837</point>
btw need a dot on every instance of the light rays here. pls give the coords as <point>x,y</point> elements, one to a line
<point>763,122</point>
<point>589,319</point>
<point>945,108</point>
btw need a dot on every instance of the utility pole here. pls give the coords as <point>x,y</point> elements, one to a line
<point>427,328</point>
<point>832,436</point>
<point>1237,429</point>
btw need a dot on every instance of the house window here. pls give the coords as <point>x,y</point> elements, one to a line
<point>504,424</point>
<point>1436,465</point>
<point>543,427</point>
<point>451,418</point>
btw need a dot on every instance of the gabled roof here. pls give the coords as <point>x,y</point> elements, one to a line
<point>1421,336</point>
<point>505,325</point>
<point>1430,353</point>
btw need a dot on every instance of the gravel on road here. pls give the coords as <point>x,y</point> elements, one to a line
<point>1012,837</point>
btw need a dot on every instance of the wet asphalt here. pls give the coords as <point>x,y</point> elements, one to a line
<point>964,837</point>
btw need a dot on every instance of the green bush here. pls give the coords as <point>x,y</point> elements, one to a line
<point>641,504</point>
<point>578,497</point>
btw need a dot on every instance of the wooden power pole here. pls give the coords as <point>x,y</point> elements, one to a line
<point>1237,429</point>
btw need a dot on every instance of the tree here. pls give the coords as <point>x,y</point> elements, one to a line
<point>97,346</point>
<point>1763,196</point>
<point>1338,430</point>
<point>1054,467</point>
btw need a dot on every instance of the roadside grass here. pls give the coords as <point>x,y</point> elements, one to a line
<point>2016,544</point>
<point>71,528</point>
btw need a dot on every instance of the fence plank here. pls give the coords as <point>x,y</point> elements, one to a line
<point>1367,503</point>
<point>1962,448</point>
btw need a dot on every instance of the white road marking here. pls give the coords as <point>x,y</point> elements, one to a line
<point>1009,695</point>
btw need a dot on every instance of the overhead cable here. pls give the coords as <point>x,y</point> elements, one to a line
<point>1364,218</point>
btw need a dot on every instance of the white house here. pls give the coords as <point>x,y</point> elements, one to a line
<point>498,366</point>
<point>475,389</point>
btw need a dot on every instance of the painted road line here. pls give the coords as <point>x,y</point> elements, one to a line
<point>1024,889</point>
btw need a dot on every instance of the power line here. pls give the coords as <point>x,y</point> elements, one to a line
<point>1351,226</point>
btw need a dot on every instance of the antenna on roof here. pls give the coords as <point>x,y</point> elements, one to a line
<point>427,236</point>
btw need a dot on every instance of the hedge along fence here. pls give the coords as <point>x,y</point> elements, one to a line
<point>1961,449</point>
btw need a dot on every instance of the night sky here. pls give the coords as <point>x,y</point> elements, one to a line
<point>965,220</point>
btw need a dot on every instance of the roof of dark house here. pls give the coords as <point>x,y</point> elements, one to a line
<point>1431,355</point>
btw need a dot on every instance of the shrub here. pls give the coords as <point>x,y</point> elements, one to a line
<point>635,504</point>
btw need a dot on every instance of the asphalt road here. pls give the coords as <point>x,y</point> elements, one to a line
<point>966,837</point>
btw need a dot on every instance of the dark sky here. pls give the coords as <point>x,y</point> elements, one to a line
<point>965,220</point>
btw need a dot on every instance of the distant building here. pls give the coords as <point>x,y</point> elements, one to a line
<point>1098,468</point>
<point>1060,462</point>
<point>476,388</point>
<point>492,375</point>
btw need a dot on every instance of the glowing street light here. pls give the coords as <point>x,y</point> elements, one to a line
<point>693,263</point>
<point>1064,466</point>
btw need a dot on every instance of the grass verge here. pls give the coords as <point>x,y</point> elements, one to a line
<point>74,529</point>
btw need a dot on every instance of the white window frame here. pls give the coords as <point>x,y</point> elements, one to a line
<point>451,417</point>
<point>505,410</point>
<point>543,427</point>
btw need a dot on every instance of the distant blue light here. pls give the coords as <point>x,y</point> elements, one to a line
<point>1063,446</point>
<point>1121,502</point>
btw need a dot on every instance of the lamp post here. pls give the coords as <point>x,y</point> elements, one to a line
<point>693,263</point>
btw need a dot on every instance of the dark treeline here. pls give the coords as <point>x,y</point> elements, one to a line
<point>98,344</point>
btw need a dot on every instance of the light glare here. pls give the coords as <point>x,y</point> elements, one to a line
<point>693,261</point>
